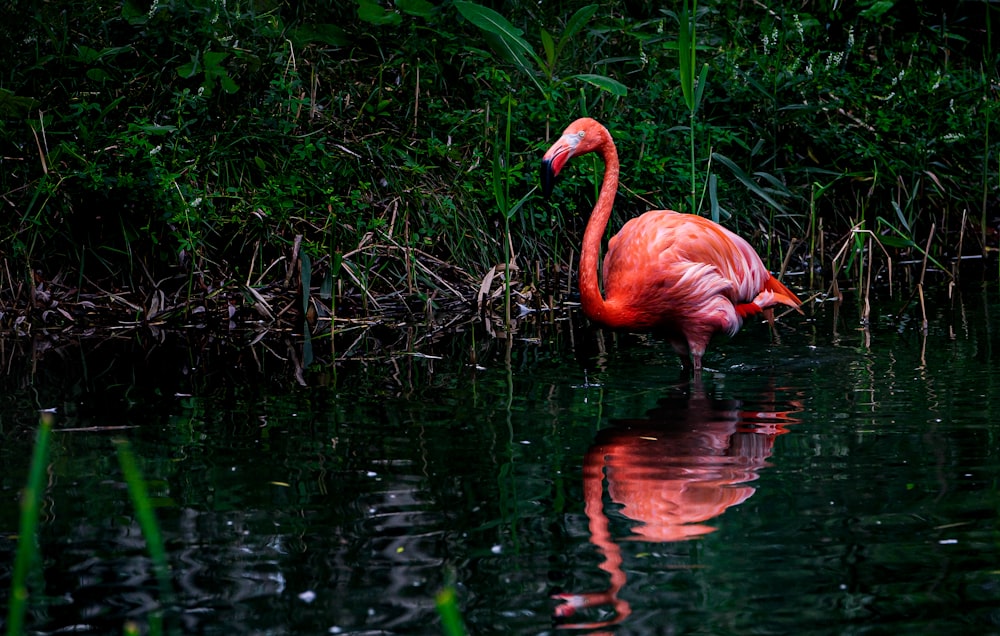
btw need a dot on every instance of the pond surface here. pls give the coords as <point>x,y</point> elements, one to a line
<point>835,481</point>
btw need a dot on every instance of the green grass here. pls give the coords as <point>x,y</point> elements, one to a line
<point>27,538</point>
<point>184,151</point>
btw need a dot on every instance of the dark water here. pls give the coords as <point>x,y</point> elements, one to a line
<point>840,481</point>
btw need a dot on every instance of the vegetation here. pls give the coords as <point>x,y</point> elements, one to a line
<point>211,160</point>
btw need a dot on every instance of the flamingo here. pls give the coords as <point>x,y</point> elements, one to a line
<point>679,276</point>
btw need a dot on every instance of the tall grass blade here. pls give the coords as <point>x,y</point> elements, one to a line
<point>144,513</point>
<point>700,88</point>
<point>447,607</point>
<point>742,177</point>
<point>713,196</point>
<point>549,46</point>
<point>27,538</point>
<point>685,55</point>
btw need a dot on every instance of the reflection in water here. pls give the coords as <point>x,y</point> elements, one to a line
<point>687,462</point>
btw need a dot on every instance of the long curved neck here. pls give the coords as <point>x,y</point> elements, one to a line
<point>590,290</point>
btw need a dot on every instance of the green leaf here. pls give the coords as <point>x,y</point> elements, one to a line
<point>747,181</point>
<point>97,75</point>
<point>187,71</point>
<point>135,13</point>
<point>373,13</point>
<point>700,90</point>
<point>503,36</point>
<point>685,55</point>
<point>713,196</point>
<point>895,241</point>
<point>15,107</point>
<point>510,51</point>
<point>324,33</point>
<point>574,25</point>
<point>549,46</point>
<point>227,83</point>
<point>157,129</point>
<point>213,60</point>
<point>579,20</point>
<point>901,216</point>
<point>614,87</point>
<point>877,9</point>
<point>419,8</point>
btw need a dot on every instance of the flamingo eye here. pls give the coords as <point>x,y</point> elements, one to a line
<point>581,134</point>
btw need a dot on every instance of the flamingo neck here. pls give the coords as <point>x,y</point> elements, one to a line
<point>590,290</point>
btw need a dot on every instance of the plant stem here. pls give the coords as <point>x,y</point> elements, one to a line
<point>27,538</point>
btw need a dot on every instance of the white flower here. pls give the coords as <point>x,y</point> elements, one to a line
<point>155,150</point>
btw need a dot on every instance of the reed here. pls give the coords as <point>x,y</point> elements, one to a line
<point>451,617</point>
<point>143,506</point>
<point>27,538</point>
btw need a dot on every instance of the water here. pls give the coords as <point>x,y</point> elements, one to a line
<point>840,481</point>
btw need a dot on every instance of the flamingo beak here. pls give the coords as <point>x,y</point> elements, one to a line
<point>553,162</point>
<point>548,175</point>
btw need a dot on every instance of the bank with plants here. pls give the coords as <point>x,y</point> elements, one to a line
<point>220,163</point>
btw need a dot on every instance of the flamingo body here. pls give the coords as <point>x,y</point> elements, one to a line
<point>680,276</point>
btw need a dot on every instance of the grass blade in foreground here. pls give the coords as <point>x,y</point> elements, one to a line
<point>451,619</point>
<point>147,518</point>
<point>27,539</point>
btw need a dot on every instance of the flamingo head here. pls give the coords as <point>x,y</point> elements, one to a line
<point>582,136</point>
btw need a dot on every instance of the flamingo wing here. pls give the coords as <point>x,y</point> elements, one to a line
<point>686,277</point>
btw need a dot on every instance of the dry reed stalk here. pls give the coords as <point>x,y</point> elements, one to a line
<point>920,285</point>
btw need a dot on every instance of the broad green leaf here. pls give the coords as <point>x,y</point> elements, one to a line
<point>579,20</point>
<point>227,83</point>
<point>505,35</point>
<point>324,33</point>
<point>15,107</point>
<point>97,75</point>
<point>188,70</point>
<point>373,13</point>
<point>574,25</point>
<point>614,87</point>
<point>213,59</point>
<point>86,54</point>
<point>549,46</point>
<point>510,51</point>
<point>419,8</point>
<point>877,9</point>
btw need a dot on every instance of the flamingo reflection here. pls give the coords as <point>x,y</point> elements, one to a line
<point>691,459</point>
